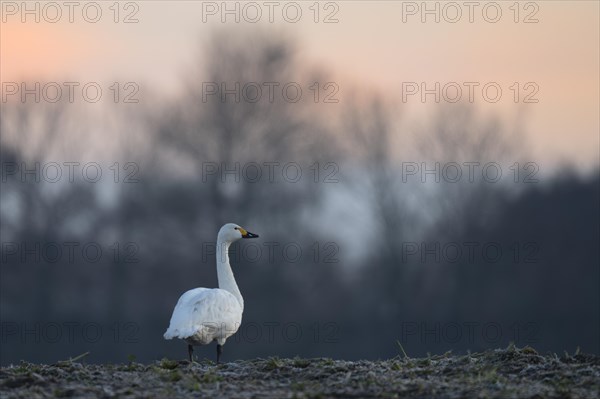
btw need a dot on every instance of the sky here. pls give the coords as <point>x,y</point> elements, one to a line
<point>544,54</point>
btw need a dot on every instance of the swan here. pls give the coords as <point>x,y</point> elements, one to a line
<point>204,315</point>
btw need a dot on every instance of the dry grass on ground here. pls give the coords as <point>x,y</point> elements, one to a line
<point>502,373</point>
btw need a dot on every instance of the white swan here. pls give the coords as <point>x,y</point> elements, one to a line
<point>203,315</point>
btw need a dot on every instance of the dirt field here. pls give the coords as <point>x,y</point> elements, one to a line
<point>502,373</point>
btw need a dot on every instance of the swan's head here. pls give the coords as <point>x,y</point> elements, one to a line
<point>232,232</point>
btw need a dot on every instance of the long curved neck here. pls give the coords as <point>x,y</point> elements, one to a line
<point>224,272</point>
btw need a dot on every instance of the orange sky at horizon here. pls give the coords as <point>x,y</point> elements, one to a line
<point>370,47</point>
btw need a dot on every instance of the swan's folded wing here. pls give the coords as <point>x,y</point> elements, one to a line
<point>205,312</point>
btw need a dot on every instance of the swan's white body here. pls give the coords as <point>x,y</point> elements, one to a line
<point>204,315</point>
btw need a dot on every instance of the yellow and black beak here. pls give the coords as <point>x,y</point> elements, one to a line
<point>247,234</point>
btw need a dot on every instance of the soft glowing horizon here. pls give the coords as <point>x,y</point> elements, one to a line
<point>374,46</point>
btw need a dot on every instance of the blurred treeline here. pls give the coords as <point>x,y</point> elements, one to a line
<point>542,292</point>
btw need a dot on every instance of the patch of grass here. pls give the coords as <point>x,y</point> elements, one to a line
<point>210,377</point>
<point>402,348</point>
<point>173,376</point>
<point>301,363</point>
<point>489,375</point>
<point>195,386</point>
<point>23,368</point>
<point>396,366</point>
<point>273,363</point>
<point>327,362</point>
<point>168,364</point>
<point>297,386</point>
<point>72,360</point>
<point>208,362</point>
<point>528,350</point>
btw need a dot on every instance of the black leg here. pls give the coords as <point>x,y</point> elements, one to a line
<point>219,352</point>
<point>190,351</point>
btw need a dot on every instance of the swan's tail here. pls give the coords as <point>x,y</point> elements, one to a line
<point>174,333</point>
<point>178,333</point>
